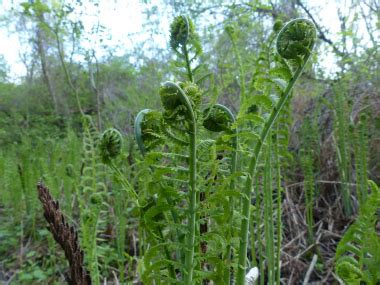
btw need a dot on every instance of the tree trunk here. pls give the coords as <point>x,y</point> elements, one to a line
<point>45,72</point>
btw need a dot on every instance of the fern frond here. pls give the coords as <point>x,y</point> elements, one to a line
<point>357,254</point>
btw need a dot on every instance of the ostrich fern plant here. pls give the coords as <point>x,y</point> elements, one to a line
<point>181,124</point>
<point>193,180</point>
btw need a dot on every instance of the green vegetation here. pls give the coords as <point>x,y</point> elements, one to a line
<point>230,152</point>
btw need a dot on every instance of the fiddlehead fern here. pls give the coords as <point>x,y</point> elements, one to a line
<point>181,30</point>
<point>110,145</point>
<point>184,40</point>
<point>150,133</point>
<point>148,130</point>
<point>91,184</point>
<point>360,139</point>
<point>179,101</point>
<point>295,41</point>
<point>218,118</point>
<point>179,111</point>
<point>343,148</point>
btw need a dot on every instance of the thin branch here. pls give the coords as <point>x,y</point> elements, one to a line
<point>310,270</point>
<point>321,34</point>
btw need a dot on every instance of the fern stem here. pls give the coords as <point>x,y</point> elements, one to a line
<point>258,222</point>
<point>268,214</point>
<point>240,64</point>
<point>189,257</point>
<point>124,182</point>
<point>188,67</point>
<point>252,171</point>
<point>279,210</point>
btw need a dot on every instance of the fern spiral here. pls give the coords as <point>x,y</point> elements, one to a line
<point>296,39</point>
<point>179,101</point>
<point>182,33</point>
<point>148,132</point>
<point>218,118</point>
<point>180,30</point>
<point>185,42</point>
<point>111,142</point>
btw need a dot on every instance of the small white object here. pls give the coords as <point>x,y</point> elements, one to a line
<point>252,276</point>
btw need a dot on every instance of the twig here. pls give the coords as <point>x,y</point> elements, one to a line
<point>320,182</point>
<point>115,278</point>
<point>310,269</point>
<point>321,34</point>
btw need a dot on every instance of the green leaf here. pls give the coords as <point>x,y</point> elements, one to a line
<point>281,72</point>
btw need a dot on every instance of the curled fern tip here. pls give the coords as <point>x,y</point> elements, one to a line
<point>296,39</point>
<point>110,144</point>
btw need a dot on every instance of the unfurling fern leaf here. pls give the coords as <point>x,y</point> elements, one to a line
<point>206,150</point>
<point>110,144</point>
<point>358,253</point>
<point>148,132</point>
<point>173,98</point>
<point>218,119</point>
<point>185,42</point>
<point>91,200</point>
<point>182,32</point>
<point>296,39</point>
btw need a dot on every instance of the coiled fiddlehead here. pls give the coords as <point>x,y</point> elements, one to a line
<point>148,130</point>
<point>179,101</point>
<point>349,271</point>
<point>110,145</point>
<point>184,40</point>
<point>296,39</point>
<point>182,33</point>
<point>218,118</point>
<point>181,29</point>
